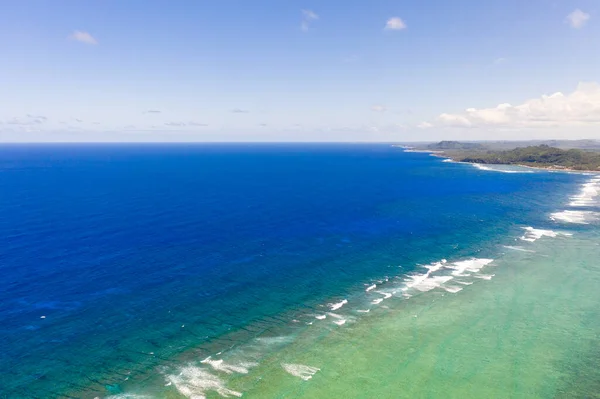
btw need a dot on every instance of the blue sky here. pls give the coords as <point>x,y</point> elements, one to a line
<point>277,70</point>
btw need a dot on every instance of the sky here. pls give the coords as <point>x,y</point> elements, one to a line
<point>272,70</point>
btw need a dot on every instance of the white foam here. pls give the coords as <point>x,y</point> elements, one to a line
<point>363,311</point>
<point>426,282</point>
<point>220,365</point>
<point>340,322</point>
<point>484,276</point>
<point>577,217</point>
<point>533,235</point>
<point>195,382</point>
<point>452,289</point>
<point>321,317</point>
<point>377,301</point>
<point>499,168</point>
<point>465,282</point>
<point>386,295</point>
<point>336,306</point>
<point>587,195</point>
<point>463,268</point>
<point>300,370</point>
<point>517,248</point>
<point>370,288</point>
<point>127,396</point>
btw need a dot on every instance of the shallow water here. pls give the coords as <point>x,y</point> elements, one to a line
<point>208,271</point>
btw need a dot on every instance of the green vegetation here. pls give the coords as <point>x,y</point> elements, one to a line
<point>538,156</point>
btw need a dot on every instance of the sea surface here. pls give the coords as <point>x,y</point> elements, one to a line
<point>293,271</point>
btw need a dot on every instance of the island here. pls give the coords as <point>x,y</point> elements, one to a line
<point>539,156</point>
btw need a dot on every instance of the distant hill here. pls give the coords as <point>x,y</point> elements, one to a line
<point>454,145</point>
<point>540,156</point>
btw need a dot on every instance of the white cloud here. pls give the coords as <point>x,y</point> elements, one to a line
<point>28,120</point>
<point>395,23</point>
<point>424,125</point>
<point>308,16</point>
<point>577,19</point>
<point>83,37</point>
<point>378,108</point>
<point>499,61</point>
<point>578,109</point>
<point>239,111</point>
<point>175,124</point>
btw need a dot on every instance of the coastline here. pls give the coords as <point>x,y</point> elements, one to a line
<point>423,314</point>
<point>450,158</point>
<point>328,344</point>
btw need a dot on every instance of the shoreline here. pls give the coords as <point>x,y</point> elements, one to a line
<point>227,364</point>
<point>291,358</point>
<point>450,158</point>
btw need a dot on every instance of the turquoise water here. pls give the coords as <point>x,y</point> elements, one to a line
<point>292,271</point>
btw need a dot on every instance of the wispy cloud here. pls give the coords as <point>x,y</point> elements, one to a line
<point>152,111</point>
<point>175,124</point>
<point>239,111</point>
<point>378,108</point>
<point>499,61</point>
<point>395,23</point>
<point>197,124</point>
<point>577,19</point>
<point>83,37</point>
<point>308,16</point>
<point>28,120</point>
<point>425,125</point>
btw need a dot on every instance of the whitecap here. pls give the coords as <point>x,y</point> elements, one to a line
<point>469,266</point>
<point>484,276</point>
<point>370,288</point>
<point>502,168</point>
<point>576,217</point>
<point>336,306</point>
<point>386,295</point>
<point>363,311</point>
<point>300,370</point>
<point>452,289</point>
<point>426,282</point>
<point>320,317</point>
<point>340,322</point>
<point>533,235</point>
<point>220,365</point>
<point>586,197</point>
<point>194,383</point>
<point>377,301</point>
<point>517,248</point>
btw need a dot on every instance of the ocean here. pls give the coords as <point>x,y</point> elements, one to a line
<point>293,271</point>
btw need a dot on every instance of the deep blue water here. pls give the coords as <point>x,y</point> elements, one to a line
<point>119,246</point>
